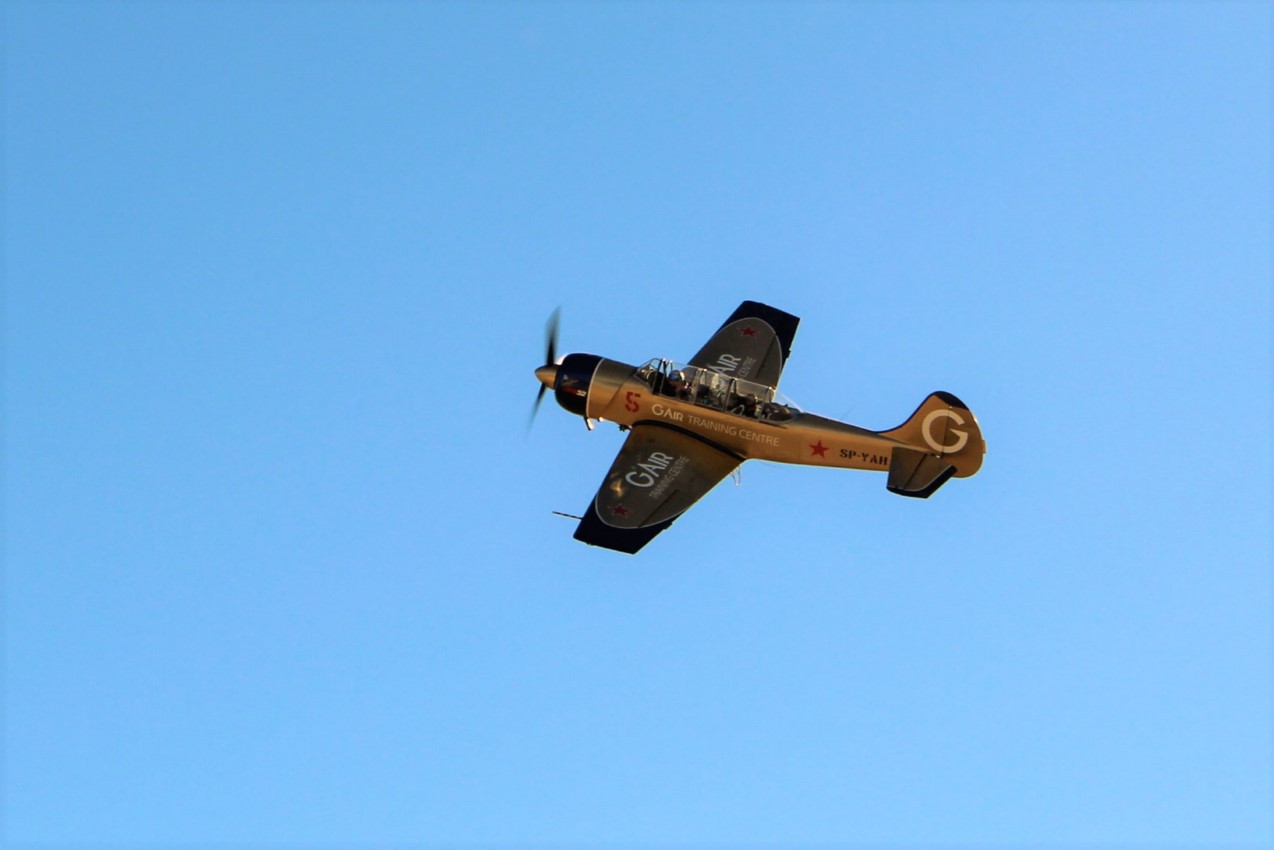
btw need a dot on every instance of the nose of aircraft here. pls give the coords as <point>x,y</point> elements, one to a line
<point>547,375</point>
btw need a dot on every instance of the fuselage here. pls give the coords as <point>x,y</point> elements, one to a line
<point>733,415</point>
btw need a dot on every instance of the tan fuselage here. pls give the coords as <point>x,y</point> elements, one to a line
<point>805,439</point>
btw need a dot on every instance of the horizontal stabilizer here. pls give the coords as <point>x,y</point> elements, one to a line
<point>916,473</point>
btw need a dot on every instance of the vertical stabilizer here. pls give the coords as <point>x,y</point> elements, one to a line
<point>944,429</point>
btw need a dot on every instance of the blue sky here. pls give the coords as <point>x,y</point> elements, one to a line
<point>280,566</point>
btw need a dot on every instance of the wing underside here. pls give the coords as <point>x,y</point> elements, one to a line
<point>659,473</point>
<point>753,344</point>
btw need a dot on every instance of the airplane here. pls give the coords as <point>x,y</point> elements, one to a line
<point>691,425</point>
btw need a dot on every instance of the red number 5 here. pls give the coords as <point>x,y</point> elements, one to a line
<point>630,401</point>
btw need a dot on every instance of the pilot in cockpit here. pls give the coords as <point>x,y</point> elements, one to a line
<point>649,376</point>
<point>677,386</point>
<point>744,405</point>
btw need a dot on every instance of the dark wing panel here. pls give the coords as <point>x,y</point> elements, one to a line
<point>754,343</point>
<point>658,474</point>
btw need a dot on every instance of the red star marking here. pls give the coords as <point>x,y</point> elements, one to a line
<point>818,449</point>
<point>749,331</point>
<point>620,510</point>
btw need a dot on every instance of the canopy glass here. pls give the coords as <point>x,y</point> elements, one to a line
<point>717,390</point>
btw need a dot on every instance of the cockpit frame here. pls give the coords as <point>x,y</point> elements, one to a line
<point>715,390</point>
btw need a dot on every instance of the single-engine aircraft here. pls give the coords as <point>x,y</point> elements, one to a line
<point>689,426</point>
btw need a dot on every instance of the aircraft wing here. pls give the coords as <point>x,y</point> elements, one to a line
<point>754,343</point>
<point>659,473</point>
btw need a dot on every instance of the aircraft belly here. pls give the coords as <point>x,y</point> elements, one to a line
<point>816,441</point>
<point>823,442</point>
<point>741,436</point>
<point>810,440</point>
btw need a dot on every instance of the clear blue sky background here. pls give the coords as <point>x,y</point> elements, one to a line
<point>280,565</point>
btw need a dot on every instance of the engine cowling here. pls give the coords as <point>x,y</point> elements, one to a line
<point>574,377</point>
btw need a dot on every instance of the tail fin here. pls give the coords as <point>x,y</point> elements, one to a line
<point>943,433</point>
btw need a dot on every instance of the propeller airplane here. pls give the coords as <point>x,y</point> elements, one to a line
<point>689,426</point>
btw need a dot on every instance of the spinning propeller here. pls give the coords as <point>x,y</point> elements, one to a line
<point>548,372</point>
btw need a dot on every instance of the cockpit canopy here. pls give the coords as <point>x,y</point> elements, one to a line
<point>717,390</point>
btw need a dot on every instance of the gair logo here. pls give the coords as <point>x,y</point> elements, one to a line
<point>647,473</point>
<point>961,437</point>
<point>728,362</point>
